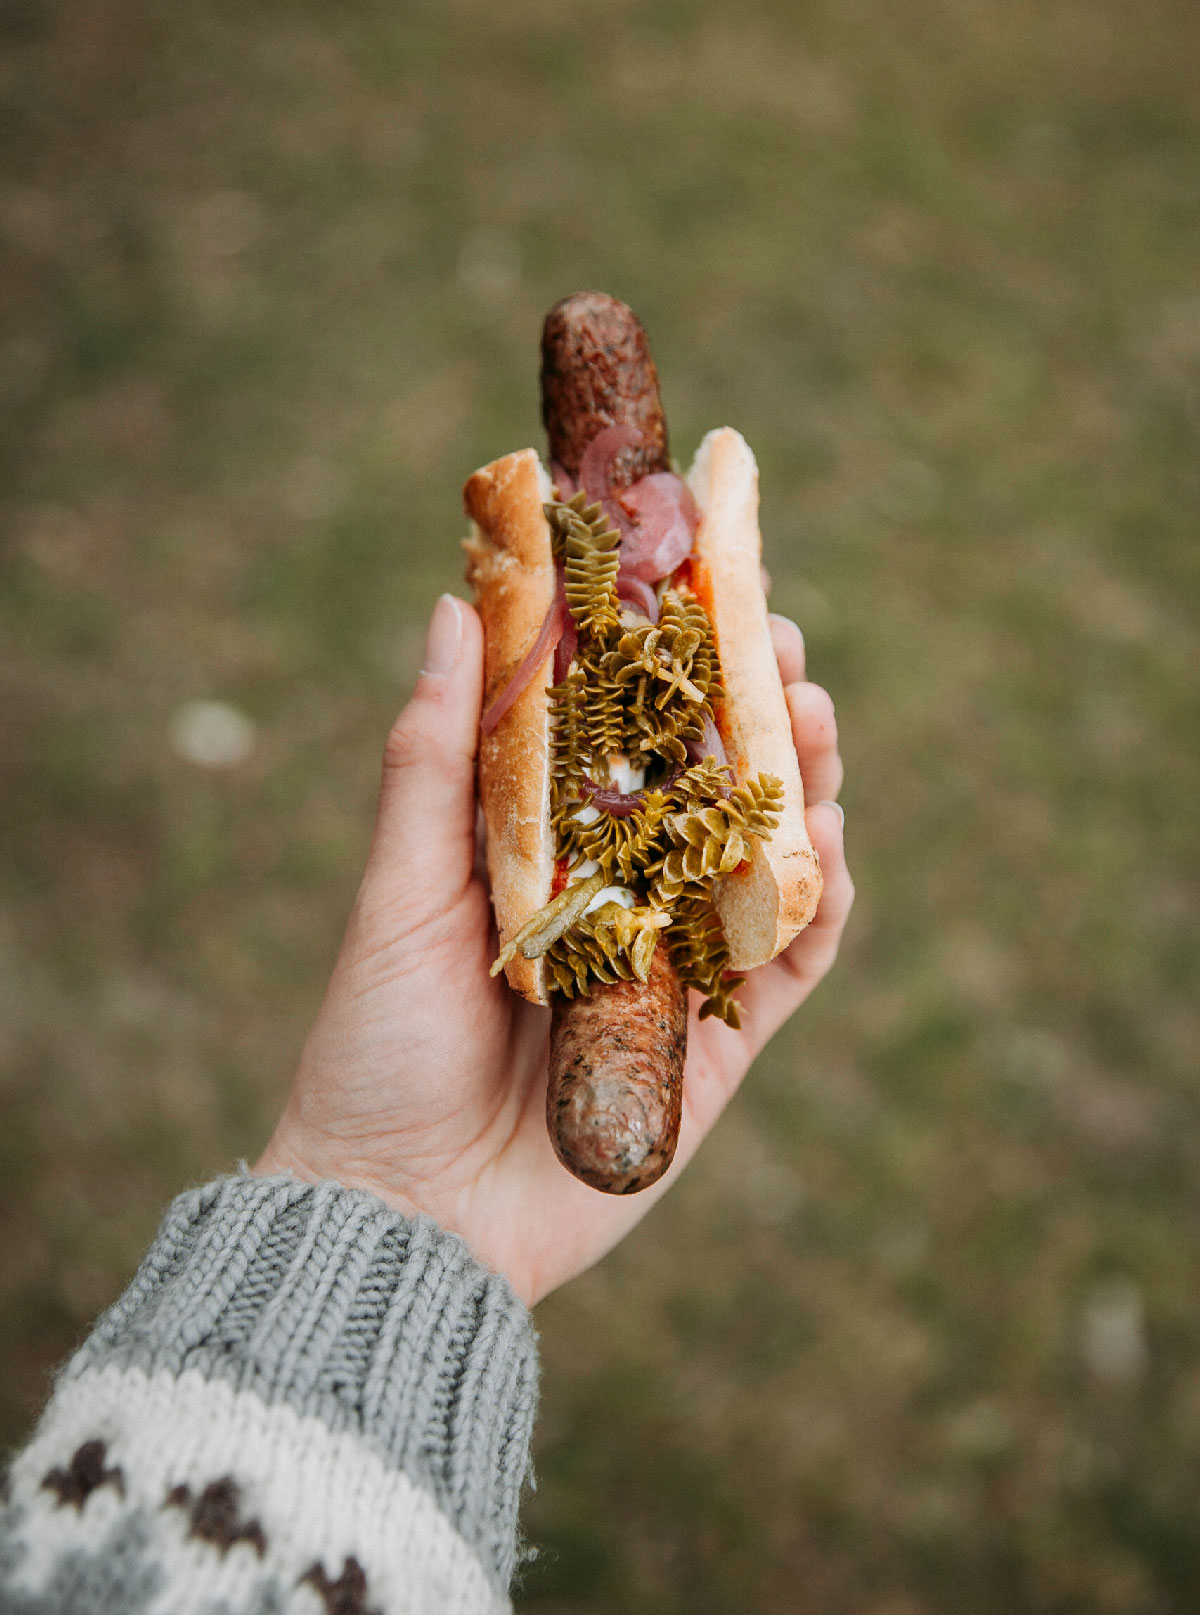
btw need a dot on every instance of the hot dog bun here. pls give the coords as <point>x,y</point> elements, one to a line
<point>511,569</point>
<point>764,907</point>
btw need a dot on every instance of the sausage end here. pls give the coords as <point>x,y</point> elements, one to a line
<point>615,1096</point>
<point>597,372</point>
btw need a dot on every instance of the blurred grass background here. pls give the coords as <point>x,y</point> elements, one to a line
<point>919,1331</point>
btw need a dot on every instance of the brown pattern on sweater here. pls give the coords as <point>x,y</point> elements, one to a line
<point>85,1474</point>
<point>214,1516</point>
<point>345,1596</point>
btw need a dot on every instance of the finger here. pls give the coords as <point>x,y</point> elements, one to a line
<point>424,839</point>
<point>773,993</point>
<point>789,647</point>
<point>814,733</point>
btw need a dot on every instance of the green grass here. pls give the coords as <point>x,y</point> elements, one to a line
<point>273,285</point>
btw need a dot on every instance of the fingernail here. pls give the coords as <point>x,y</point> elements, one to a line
<point>444,638</point>
<point>837,808</point>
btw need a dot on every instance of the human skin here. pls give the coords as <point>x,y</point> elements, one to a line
<point>423,1079</point>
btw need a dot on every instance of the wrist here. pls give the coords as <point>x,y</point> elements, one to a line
<point>290,1154</point>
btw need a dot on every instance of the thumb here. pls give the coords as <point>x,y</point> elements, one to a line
<point>423,846</point>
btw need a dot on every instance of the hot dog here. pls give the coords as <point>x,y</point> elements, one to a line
<point>637,775</point>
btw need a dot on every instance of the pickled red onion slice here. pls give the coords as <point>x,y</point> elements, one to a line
<point>665,519</point>
<point>563,481</point>
<point>657,515</point>
<point>569,643</point>
<point>620,804</point>
<point>548,637</point>
<point>597,464</point>
<point>639,593</point>
<point>710,743</point>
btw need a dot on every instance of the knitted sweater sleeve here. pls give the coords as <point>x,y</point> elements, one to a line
<point>304,1404</point>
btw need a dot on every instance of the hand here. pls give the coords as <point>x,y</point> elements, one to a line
<point>424,1079</point>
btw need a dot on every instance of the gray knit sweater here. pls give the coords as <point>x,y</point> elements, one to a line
<point>304,1403</point>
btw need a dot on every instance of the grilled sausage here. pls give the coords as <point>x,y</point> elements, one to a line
<point>616,1057</point>
<point>597,372</point>
<point>616,1079</point>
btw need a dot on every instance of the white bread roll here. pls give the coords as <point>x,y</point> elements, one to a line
<point>763,908</point>
<point>510,566</point>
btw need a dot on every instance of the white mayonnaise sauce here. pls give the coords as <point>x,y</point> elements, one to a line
<point>625,776</point>
<point>610,894</point>
<point>581,871</point>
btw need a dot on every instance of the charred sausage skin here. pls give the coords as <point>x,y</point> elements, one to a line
<point>597,372</point>
<point>616,1079</point>
<point>615,1093</point>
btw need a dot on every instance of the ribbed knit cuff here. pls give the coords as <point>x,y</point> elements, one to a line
<point>322,1299</point>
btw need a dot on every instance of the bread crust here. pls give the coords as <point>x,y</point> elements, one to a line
<point>765,906</point>
<point>510,566</point>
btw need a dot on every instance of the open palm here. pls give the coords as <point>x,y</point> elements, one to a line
<point>424,1079</point>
